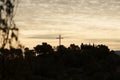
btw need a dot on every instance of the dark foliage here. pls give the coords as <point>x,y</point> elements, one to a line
<point>87,62</point>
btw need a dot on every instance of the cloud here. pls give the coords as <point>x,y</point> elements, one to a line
<point>104,40</point>
<point>46,36</point>
<point>92,20</point>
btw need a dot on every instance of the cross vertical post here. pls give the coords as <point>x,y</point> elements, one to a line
<point>60,38</point>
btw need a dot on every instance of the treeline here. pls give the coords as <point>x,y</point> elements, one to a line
<point>83,62</point>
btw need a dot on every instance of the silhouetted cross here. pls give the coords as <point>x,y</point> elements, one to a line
<point>59,39</point>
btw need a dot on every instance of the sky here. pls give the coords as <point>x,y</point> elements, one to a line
<point>78,21</point>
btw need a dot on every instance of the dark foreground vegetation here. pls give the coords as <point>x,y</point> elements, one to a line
<point>84,62</point>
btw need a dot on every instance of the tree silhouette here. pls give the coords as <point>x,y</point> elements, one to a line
<point>74,47</point>
<point>87,62</point>
<point>8,29</point>
<point>43,49</point>
<point>29,54</point>
<point>61,50</point>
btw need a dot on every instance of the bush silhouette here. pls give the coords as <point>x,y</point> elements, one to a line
<point>86,62</point>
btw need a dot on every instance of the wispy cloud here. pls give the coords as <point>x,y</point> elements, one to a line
<point>93,20</point>
<point>47,36</point>
<point>104,40</point>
